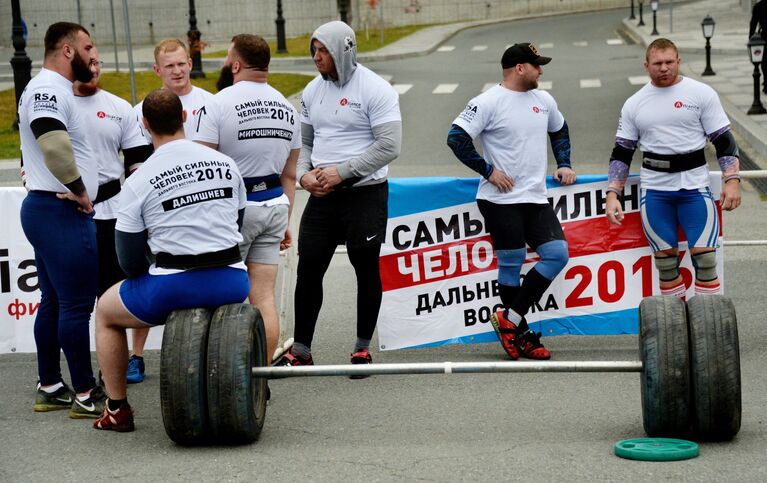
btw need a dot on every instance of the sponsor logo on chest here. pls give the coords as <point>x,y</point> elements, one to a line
<point>351,104</point>
<point>111,117</point>
<point>687,106</point>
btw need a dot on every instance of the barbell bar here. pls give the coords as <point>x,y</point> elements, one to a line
<point>278,372</point>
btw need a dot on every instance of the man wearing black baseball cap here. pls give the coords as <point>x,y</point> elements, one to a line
<point>522,54</point>
<point>512,120</point>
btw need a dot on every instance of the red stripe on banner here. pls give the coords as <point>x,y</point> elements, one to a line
<point>475,255</point>
<point>437,262</point>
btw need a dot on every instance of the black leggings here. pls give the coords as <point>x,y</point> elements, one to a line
<point>356,216</point>
<point>109,268</point>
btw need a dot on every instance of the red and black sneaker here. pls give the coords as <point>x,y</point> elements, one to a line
<point>506,331</point>
<point>530,347</point>
<point>120,420</point>
<point>362,356</point>
<point>289,359</point>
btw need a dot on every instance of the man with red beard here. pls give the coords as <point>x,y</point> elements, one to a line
<point>113,127</point>
<point>57,218</point>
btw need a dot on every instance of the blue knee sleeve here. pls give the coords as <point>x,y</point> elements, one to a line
<point>509,265</point>
<point>553,258</point>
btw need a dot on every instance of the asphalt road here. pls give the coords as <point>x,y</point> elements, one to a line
<point>548,427</point>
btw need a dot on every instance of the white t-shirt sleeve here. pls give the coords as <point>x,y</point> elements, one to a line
<point>474,117</point>
<point>627,129</point>
<point>206,127</point>
<point>556,119</point>
<point>712,116</point>
<point>132,133</point>
<point>305,114</point>
<point>384,106</point>
<point>295,142</point>
<point>49,101</point>
<point>138,109</point>
<point>129,217</point>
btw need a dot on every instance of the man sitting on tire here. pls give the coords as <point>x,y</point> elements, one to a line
<point>186,203</point>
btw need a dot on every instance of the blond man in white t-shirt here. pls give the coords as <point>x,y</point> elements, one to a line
<point>512,120</point>
<point>173,65</point>
<point>671,119</point>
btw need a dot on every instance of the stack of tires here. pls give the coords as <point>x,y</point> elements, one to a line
<point>207,393</point>
<point>691,367</point>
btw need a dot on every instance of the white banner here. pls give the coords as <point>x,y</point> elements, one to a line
<point>439,271</point>
<point>19,289</point>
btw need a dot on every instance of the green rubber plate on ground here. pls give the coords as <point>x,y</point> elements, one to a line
<point>656,449</point>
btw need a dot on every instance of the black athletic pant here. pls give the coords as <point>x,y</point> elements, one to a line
<point>356,217</point>
<point>109,268</point>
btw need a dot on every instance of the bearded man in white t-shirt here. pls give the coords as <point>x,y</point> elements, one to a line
<point>173,65</point>
<point>255,125</point>
<point>670,119</point>
<point>512,121</point>
<point>351,130</point>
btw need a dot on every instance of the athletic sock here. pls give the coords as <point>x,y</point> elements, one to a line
<point>52,389</point>
<point>513,317</point>
<point>134,356</point>
<point>677,290</point>
<point>707,289</point>
<point>115,404</point>
<point>361,344</point>
<point>300,350</point>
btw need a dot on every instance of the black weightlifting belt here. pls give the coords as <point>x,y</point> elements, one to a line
<point>107,190</point>
<point>673,163</point>
<point>220,258</point>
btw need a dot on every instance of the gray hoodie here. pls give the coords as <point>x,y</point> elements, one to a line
<point>341,42</point>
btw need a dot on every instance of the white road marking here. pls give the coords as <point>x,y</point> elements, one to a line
<point>547,45</point>
<point>402,88</point>
<point>545,85</point>
<point>446,48</point>
<point>590,83</point>
<point>445,89</point>
<point>639,80</point>
<point>479,48</point>
<point>614,41</point>
<point>582,43</point>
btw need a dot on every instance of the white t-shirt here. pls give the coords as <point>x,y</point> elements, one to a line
<point>49,94</point>
<point>187,196</point>
<point>672,120</point>
<point>111,125</point>
<point>343,117</point>
<point>191,103</point>
<point>253,124</point>
<point>513,129</point>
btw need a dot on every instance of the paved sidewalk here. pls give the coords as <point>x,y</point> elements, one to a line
<point>729,60</point>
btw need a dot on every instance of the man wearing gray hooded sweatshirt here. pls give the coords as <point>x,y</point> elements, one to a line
<point>351,130</point>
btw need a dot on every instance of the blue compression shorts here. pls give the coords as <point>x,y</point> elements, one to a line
<point>151,298</point>
<point>694,210</point>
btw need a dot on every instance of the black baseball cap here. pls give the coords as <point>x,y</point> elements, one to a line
<point>525,53</point>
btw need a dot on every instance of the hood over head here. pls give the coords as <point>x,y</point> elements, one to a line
<point>341,42</point>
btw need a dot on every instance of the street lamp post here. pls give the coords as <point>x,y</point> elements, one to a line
<point>708,25</point>
<point>756,50</point>
<point>280,22</point>
<point>343,10</point>
<point>195,45</point>
<point>632,16</point>
<point>654,6</point>
<point>20,62</point>
<point>641,12</point>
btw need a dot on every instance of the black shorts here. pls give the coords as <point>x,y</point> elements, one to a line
<point>352,216</point>
<point>513,226</point>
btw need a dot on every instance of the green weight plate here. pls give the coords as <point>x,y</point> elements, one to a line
<point>656,449</point>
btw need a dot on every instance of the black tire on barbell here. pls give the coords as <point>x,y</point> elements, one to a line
<point>236,400</point>
<point>715,367</point>
<point>665,380</point>
<point>183,398</point>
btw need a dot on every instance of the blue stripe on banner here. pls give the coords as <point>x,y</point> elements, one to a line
<point>441,192</point>
<point>610,323</point>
